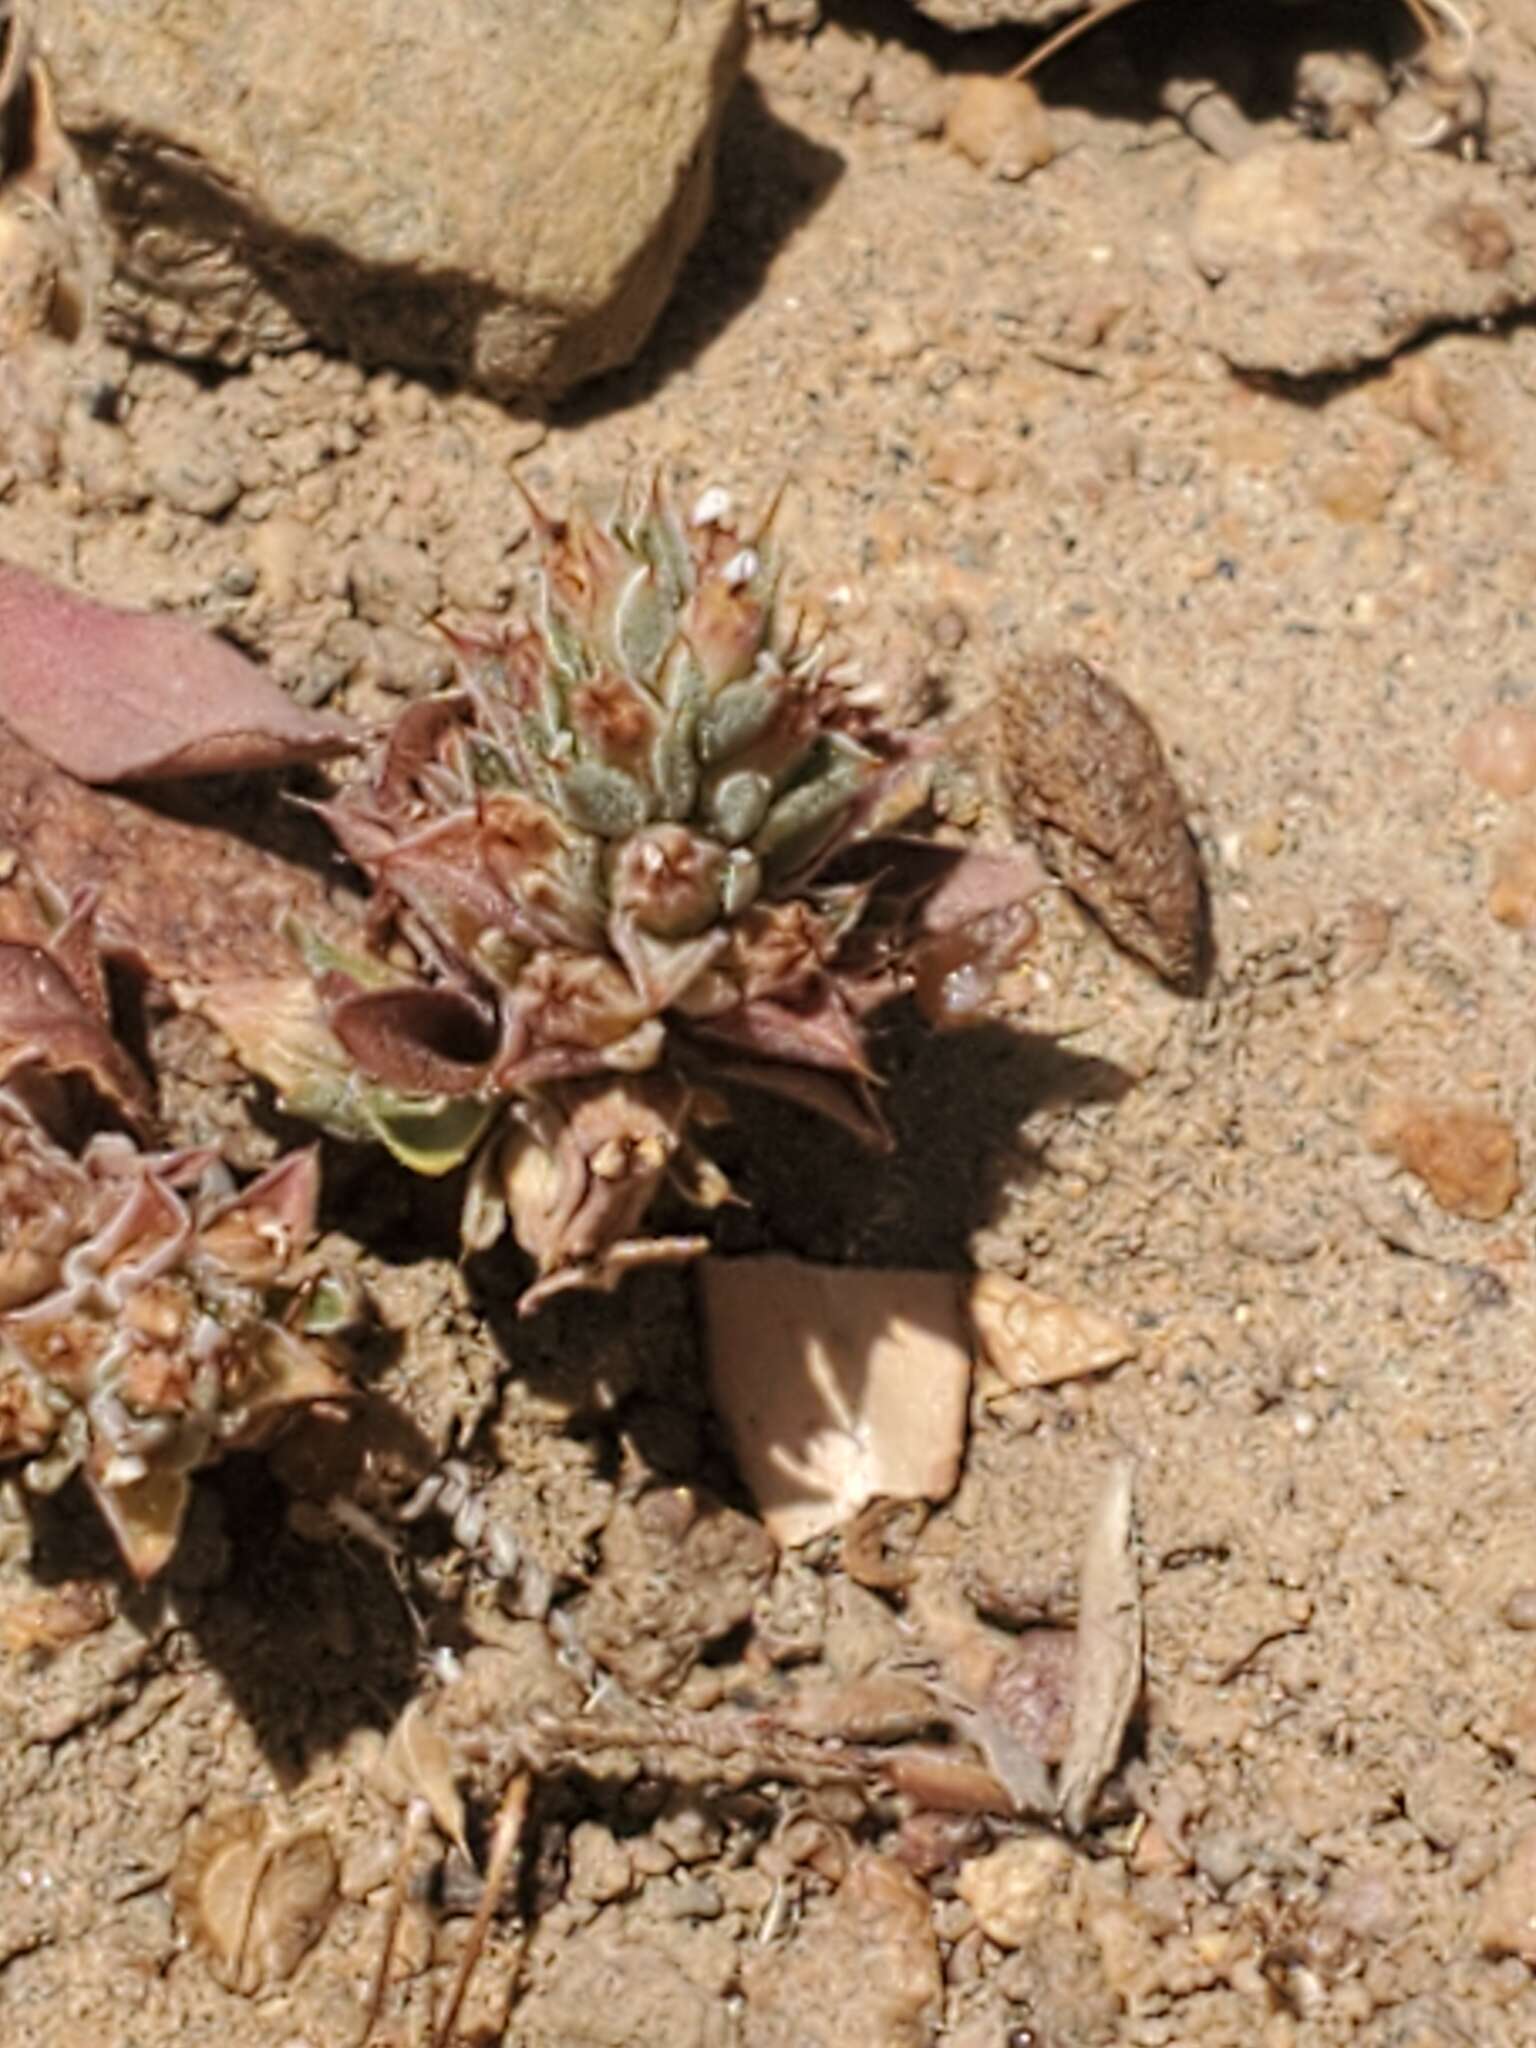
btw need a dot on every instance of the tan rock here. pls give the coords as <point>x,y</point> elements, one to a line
<point>1316,269</point>
<point>1034,1340</point>
<point>1498,749</point>
<point>974,14</point>
<point>1001,126</point>
<point>1020,1890</point>
<point>505,193</point>
<point>1467,1157</point>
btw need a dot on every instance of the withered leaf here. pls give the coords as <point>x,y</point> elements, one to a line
<point>1109,1649</point>
<point>117,696</point>
<point>186,902</point>
<point>1083,771</point>
<point>418,1763</point>
<point>44,1024</point>
<point>427,1040</point>
<point>253,1901</point>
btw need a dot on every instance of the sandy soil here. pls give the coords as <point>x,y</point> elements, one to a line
<point>1004,437</point>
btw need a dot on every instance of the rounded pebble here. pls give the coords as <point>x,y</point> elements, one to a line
<point>1499,750</point>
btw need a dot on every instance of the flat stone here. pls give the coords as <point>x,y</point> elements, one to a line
<point>975,14</point>
<point>836,1385</point>
<point>502,192</point>
<point>1321,261</point>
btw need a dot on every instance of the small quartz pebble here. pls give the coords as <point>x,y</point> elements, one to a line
<point>1499,750</point>
<point>1519,1610</point>
<point>965,464</point>
<point>1035,1340</point>
<point>1000,125</point>
<point>836,1385</point>
<point>1467,1158</point>
<point>1506,1921</point>
<point>1018,1892</point>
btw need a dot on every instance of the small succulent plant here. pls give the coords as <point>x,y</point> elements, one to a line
<point>151,1315</point>
<point>149,1320</point>
<point>609,869</point>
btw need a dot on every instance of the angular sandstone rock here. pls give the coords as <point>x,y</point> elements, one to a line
<point>502,191</point>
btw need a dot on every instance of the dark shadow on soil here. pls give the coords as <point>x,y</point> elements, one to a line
<point>312,1638</point>
<point>629,1360</point>
<point>954,1101</point>
<point>769,180</point>
<point>626,1365</point>
<point>270,812</point>
<point>1117,69</point>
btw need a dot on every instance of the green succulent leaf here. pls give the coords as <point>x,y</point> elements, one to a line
<point>430,1134</point>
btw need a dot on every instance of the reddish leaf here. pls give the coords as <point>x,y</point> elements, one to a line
<point>425,1040</point>
<point>978,884</point>
<point>45,1025</point>
<point>185,902</point>
<point>117,696</point>
<point>849,1104</point>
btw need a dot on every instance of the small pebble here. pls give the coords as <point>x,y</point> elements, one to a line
<point>965,465</point>
<point>189,471</point>
<point>892,336</point>
<point>1034,1340</point>
<point>1000,125</point>
<point>600,1868</point>
<point>408,664</point>
<point>1519,1609</point>
<point>1223,1856</point>
<point>238,579</point>
<point>1017,1890</point>
<point>1467,1158</point>
<point>693,1898</point>
<point>1498,750</point>
<point>949,629</point>
<point>1506,1921</point>
<point>392,581</point>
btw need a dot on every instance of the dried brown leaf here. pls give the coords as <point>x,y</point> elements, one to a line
<point>44,1025</point>
<point>418,1763</point>
<point>1109,1638</point>
<point>1083,770</point>
<point>186,902</point>
<point>428,1040</point>
<point>115,696</point>
<point>255,1903</point>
